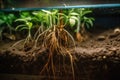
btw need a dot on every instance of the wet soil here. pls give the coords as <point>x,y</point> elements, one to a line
<point>98,57</point>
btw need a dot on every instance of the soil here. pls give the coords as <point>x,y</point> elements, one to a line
<point>97,58</point>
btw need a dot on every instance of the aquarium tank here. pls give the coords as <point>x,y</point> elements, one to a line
<point>59,39</point>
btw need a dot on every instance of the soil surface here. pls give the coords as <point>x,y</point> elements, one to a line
<point>98,57</point>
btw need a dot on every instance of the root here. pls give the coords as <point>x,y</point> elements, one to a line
<point>39,31</point>
<point>70,37</point>
<point>57,43</point>
<point>18,42</point>
<point>46,65</point>
<point>49,64</point>
<point>72,66</point>
<point>39,36</point>
<point>28,42</point>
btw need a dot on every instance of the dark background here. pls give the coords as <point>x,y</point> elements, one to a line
<point>50,3</point>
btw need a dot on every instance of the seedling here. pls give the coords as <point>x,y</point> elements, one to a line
<point>52,35</point>
<point>55,38</point>
<point>78,16</point>
<point>26,25</point>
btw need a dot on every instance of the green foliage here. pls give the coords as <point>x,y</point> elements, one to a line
<point>39,16</point>
<point>6,21</point>
<point>26,22</point>
<point>79,17</point>
<point>73,17</point>
<point>50,17</point>
<point>45,19</point>
<point>26,25</point>
<point>87,21</point>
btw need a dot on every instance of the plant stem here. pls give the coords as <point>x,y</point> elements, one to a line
<point>29,33</point>
<point>78,25</point>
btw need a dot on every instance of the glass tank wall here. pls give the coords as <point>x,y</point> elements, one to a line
<point>60,39</point>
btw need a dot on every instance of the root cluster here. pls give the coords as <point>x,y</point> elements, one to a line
<point>60,61</point>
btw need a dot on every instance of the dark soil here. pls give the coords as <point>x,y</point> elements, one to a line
<point>98,58</point>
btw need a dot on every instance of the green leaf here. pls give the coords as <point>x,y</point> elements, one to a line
<point>11,16</point>
<point>22,20</point>
<point>20,26</point>
<point>90,22</point>
<point>86,12</point>
<point>35,13</point>
<point>5,18</point>
<point>24,14</point>
<point>92,19</point>
<point>74,17</point>
<point>87,25</point>
<point>23,28</point>
<point>46,11</point>
<point>74,14</point>
<point>2,22</point>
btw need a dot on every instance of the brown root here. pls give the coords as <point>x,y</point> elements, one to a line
<point>27,43</point>
<point>57,43</point>
<point>79,37</point>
